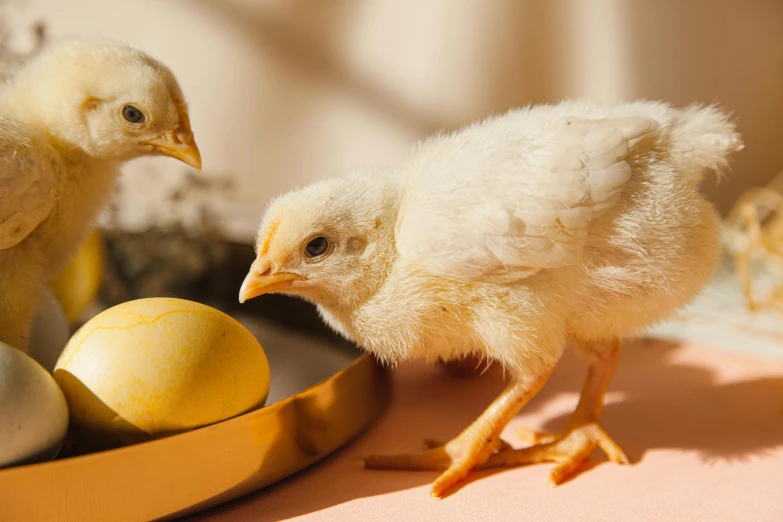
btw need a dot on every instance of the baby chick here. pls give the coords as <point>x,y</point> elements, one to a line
<point>68,120</point>
<point>575,223</point>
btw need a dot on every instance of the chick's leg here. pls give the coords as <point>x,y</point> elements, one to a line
<point>583,432</point>
<point>470,448</point>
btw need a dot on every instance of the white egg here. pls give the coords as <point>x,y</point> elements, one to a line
<point>49,333</point>
<point>33,411</point>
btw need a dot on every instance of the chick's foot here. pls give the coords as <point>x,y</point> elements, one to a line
<point>569,451</point>
<point>457,457</point>
<point>584,432</point>
<point>472,447</point>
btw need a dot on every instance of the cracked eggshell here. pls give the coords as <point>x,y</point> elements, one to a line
<point>159,366</point>
<point>33,411</point>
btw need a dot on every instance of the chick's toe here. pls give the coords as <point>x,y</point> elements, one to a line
<point>569,452</point>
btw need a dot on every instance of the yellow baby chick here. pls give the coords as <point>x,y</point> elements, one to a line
<point>68,120</point>
<point>578,222</point>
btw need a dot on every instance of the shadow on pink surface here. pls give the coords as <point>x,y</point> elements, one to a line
<point>663,397</point>
<point>672,404</point>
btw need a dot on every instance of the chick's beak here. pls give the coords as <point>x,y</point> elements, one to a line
<point>179,145</point>
<point>262,279</point>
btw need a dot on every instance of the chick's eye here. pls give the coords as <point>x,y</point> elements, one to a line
<point>316,247</point>
<point>132,114</point>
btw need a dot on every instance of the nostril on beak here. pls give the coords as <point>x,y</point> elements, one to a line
<point>266,272</point>
<point>183,137</point>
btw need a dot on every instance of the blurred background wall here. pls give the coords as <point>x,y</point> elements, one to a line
<point>285,92</point>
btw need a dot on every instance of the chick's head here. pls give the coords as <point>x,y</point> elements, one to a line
<point>329,242</point>
<point>110,100</point>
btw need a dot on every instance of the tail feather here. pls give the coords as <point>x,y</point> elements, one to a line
<point>704,138</point>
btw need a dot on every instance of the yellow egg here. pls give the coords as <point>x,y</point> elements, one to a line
<point>154,367</point>
<point>79,283</point>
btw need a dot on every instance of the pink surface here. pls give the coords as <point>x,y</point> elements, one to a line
<point>703,429</point>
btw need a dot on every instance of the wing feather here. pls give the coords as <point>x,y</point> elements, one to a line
<point>28,181</point>
<point>507,198</point>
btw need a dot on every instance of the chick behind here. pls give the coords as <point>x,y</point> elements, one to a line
<point>68,120</point>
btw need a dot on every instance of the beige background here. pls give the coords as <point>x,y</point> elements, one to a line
<point>284,92</point>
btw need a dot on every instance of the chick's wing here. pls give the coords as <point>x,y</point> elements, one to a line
<point>28,181</point>
<point>510,197</point>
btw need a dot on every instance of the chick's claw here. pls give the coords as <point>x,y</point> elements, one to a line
<point>569,452</point>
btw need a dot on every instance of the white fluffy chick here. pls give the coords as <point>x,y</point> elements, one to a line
<point>68,120</point>
<point>577,222</point>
